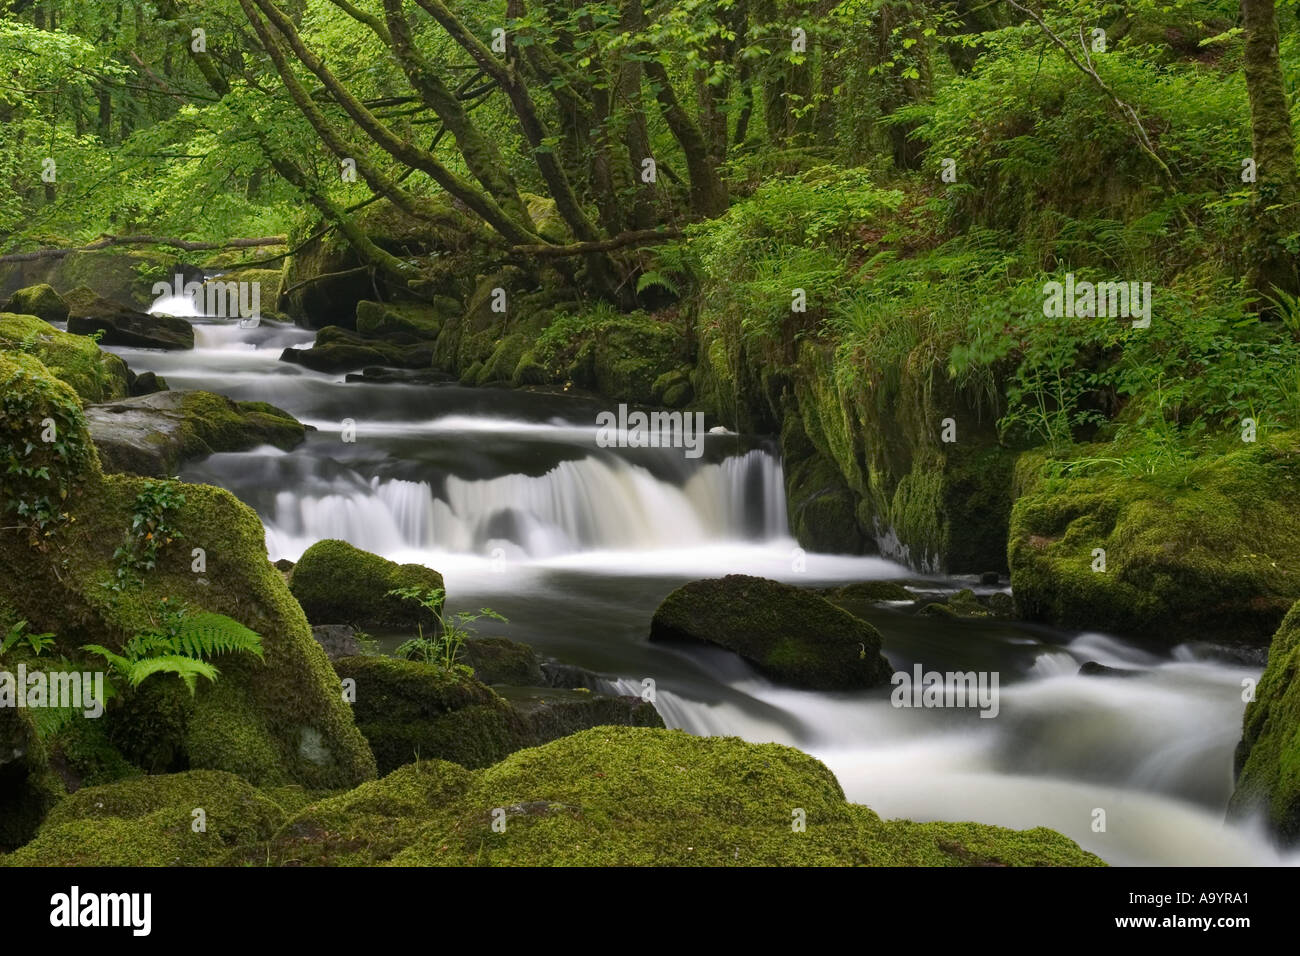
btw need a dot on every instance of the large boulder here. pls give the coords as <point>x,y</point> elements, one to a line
<point>154,434</point>
<point>627,796</point>
<point>38,300</point>
<point>409,710</point>
<point>792,635</point>
<point>1213,559</point>
<point>399,320</point>
<point>123,325</point>
<point>120,275</point>
<point>337,583</point>
<point>275,721</point>
<point>339,350</point>
<point>96,375</point>
<point>1268,756</point>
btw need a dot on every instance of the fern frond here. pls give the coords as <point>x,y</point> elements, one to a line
<point>118,662</point>
<point>207,634</point>
<point>187,669</point>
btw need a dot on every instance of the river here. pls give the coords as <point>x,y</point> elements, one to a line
<point>507,495</point>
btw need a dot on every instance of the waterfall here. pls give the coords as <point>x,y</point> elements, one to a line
<point>593,503</point>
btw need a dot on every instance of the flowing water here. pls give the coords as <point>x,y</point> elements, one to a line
<point>508,496</point>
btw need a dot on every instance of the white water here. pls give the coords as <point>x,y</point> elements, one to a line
<point>523,511</point>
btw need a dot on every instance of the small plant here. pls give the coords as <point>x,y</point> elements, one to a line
<point>18,634</point>
<point>179,645</point>
<point>446,642</point>
<point>150,531</point>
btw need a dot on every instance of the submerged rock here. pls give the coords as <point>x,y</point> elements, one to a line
<point>123,325</point>
<point>337,583</point>
<point>792,635</point>
<point>155,434</point>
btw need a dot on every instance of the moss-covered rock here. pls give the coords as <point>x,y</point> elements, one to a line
<point>792,635</point>
<point>1218,558</point>
<point>197,818</point>
<point>869,591</point>
<point>411,711</point>
<point>123,276</point>
<point>277,721</point>
<point>28,789</point>
<point>340,350</point>
<point>154,434</point>
<point>1267,761</point>
<point>38,300</point>
<point>337,583</point>
<point>498,661</point>
<point>95,375</point>
<point>821,506</point>
<point>122,325</point>
<point>639,797</point>
<point>414,321</point>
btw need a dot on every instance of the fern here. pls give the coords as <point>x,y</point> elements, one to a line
<point>179,647</point>
<point>651,279</point>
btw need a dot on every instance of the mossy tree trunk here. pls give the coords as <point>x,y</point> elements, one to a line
<point>1276,218</point>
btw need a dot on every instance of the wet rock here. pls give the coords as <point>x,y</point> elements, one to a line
<point>338,640</point>
<point>123,325</point>
<point>1094,669</point>
<point>38,300</point>
<point>792,635</point>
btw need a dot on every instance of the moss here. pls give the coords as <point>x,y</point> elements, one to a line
<point>870,591</point>
<point>498,661</point>
<point>1268,755</point>
<point>1217,558</point>
<point>792,635</point>
<point>38,300</point>
<point>219,424</point>
<point>370,824</point>
<point>290,695</point>
<point>640,797</point>
<point>83,756</point>
<point>96,376</point>
<point>415,321</point>
<point>148,725</point>
<point>338,584</point>
<point>28,788</point>
<point>150,821</point>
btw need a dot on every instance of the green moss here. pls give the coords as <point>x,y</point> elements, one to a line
<point>417,321</point>
<point>639,797</point>
<point>338,584</point>
<point>28,788</point>
<point>370,824</point>
<point>151,821</point>
<point>498,661</point>
<point>94,375</point>
<point>1268,755</point>
<point>1218,558</point>
<point>216,423</point>
<point>792,635</point>
<point>38,300</point>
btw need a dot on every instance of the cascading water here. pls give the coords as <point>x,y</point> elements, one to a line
<point>508,495</point>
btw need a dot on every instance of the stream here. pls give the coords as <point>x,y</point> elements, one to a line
<point>507,495</point>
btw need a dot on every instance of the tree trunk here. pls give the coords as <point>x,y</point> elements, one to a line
<point>1273,268</point>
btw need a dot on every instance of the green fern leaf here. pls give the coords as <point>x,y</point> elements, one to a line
<point>187,669</point>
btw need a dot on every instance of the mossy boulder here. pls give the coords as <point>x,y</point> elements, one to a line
<point>872,592</point>
<point>821,506</point>
<point>619,796</point>
<point>413,321</point>
<point>1217,557</point>
<point>340,350</point>
<point>38,300</point>
<point>337,583</point>
<point>496,660</point>
<point>28,789</point>
<point>196,818</point>
<point>154,434</point>
<point>792,635</point>
<point>1267,761</point>
<point>95,375</point>
<point>123,325</point>
<point>412,711</point>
